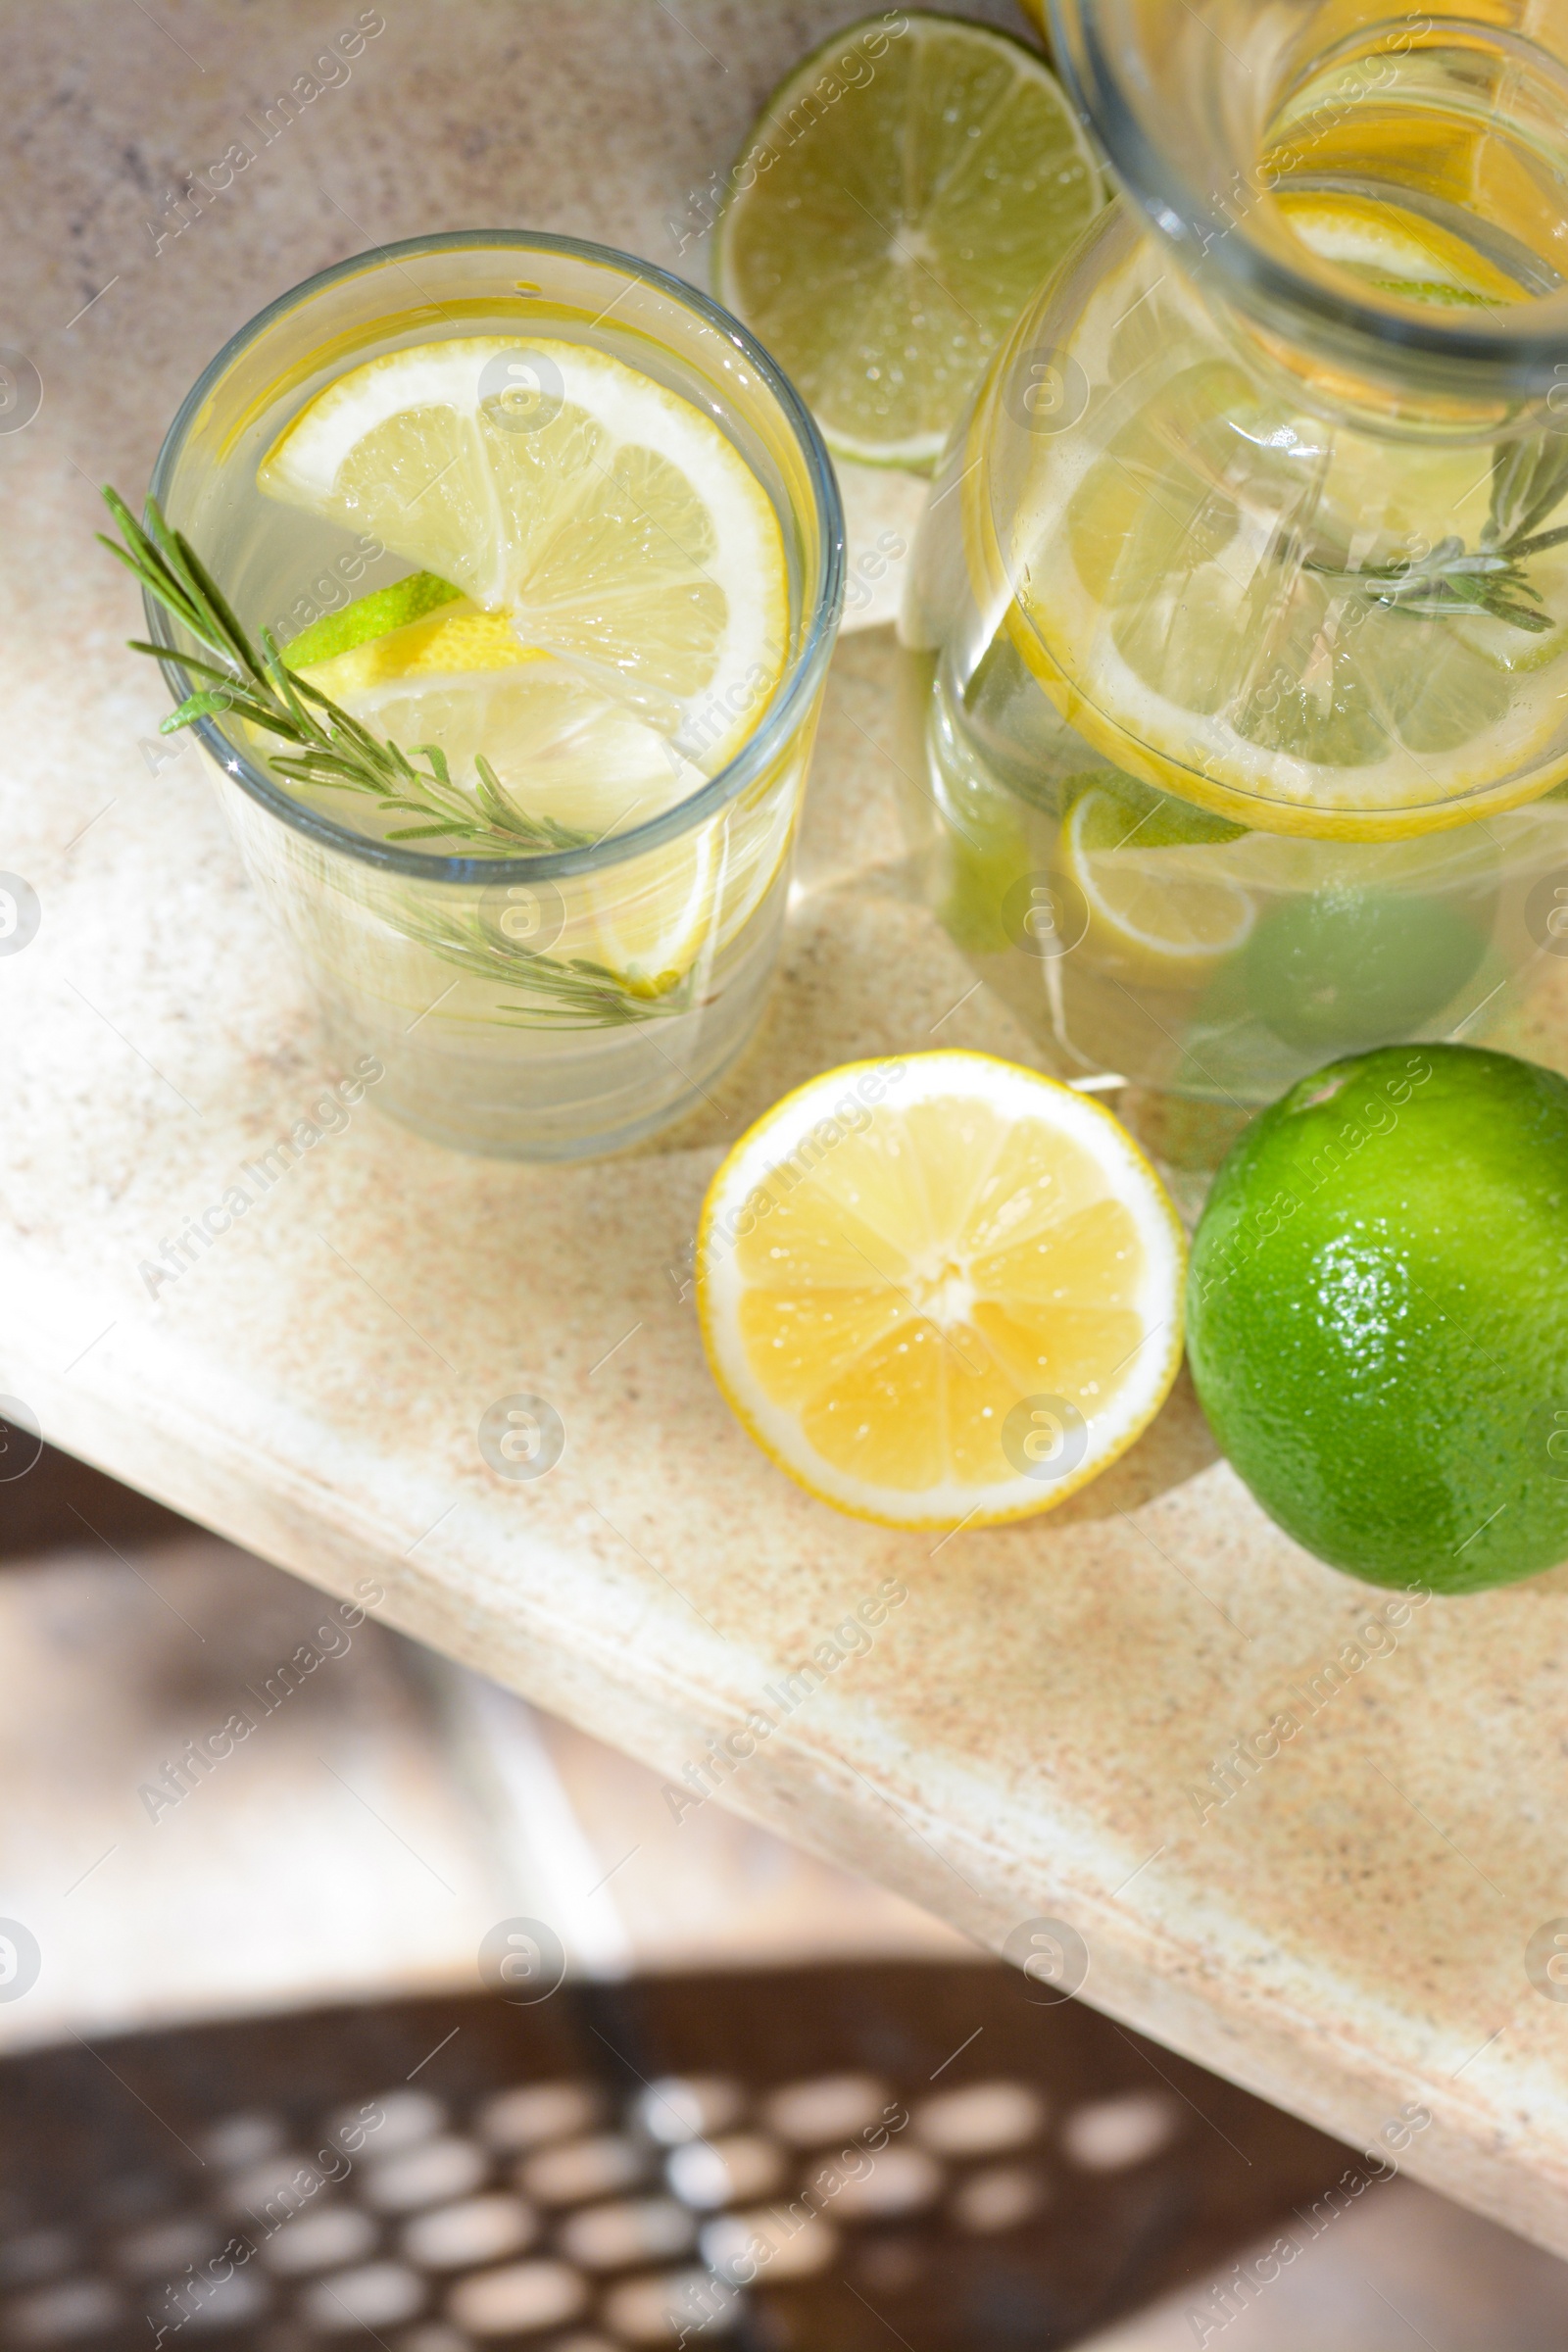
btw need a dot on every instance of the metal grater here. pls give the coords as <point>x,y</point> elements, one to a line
<point>775,2160</point>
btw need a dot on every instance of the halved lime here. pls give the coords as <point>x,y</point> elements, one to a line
<point>901,197</point>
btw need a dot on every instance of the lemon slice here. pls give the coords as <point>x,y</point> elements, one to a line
<point>1396,250</point>
<point>1162,911</point>
<point>941,1289</point>
<point>1152,602</point>
<point>461,679</point>
<point>611,520</point>
<point>904,193</point>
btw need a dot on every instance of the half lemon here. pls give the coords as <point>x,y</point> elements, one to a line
<point>940,1291</point>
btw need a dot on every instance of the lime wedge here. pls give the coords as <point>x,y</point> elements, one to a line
<point>899,200</point>
<point>367,618</point>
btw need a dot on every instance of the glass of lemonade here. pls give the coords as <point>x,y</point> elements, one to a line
<point>1236,657</point>
<point>552,524</point>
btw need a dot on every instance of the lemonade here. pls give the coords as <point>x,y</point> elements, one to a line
<point>1236,651</point>
<point>552,557</point>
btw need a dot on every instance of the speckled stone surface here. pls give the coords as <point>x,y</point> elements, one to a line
<point>1346,1933</point>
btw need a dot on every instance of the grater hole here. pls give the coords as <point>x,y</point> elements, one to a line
<point>515,2121</point>
<point>379,2294</point>
<point>240,2140</point>
<point>164,2246</point>
<point>518,2300</point>
<point>436,2337</point>
<point>58,2315</point>
<point>217,2303</point>
<point>999,2198</point>
<point>682,2107</point>
<point>981,2120</point>
<point>898,2181</point>
<point>393,2120</point>
<point>273,2192</point>
<point>580,2168</point>
<point>767,2244</point>
<point>633,2231</point>
<point>319,2241</point>
<point>1113,2134</point>
<point>826,2107</point>
<point>711,2172</point>
<point>669,2306</point>
<point>458,2237</point>
<point>429,2173</point>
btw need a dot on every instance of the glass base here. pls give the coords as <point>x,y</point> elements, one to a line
<point>530,1095</point>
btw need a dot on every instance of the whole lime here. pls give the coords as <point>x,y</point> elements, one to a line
<point>1378,1315</point>
<point>1334,969</point>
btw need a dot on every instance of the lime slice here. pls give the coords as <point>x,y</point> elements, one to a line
<point>369,617</point>
<point>611,520</point>
<point>1162,918</point>
<point>902,196</point>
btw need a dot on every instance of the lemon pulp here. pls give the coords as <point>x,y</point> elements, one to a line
<point>911,1302</point>
<point>616,621</point>
<point>1200,579</point>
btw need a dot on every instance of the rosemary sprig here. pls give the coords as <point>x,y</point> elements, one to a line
<point>579,993</point>
<point>330,749</point>
<point>1529,481</point>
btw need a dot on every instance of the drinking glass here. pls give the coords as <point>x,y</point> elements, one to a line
<point>477,981</point>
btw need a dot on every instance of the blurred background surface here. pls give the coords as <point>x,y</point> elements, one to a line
<point>235,1948</point>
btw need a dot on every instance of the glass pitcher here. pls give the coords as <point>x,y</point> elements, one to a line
<point>1235,651</point>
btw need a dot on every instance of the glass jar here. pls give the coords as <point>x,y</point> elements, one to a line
<point>498,991</point>
<point>1235,651</point>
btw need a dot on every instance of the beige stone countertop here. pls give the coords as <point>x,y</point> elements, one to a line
<point>1021,1737</point>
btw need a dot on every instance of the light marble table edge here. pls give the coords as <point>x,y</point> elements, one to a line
<point>983,1877</point>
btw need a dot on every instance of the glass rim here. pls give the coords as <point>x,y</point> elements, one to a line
<point>797,686</point>
<point>1522,358</point>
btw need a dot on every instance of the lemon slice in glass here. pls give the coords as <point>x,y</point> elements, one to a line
<point>460,679</point>
<point>1152,873</point>
<point>611,521</point>
<point>941,1289</point>
<point>903,194</point>
<point>1195,581</point>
